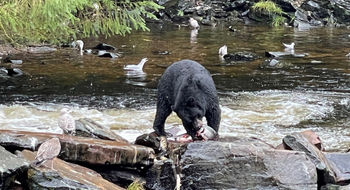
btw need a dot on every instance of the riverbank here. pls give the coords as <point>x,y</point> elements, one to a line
<point>303,14</point>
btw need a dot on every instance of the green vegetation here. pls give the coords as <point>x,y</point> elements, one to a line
<point>270,8</point>
<point>180,13</point>
<point>136,185</point>
<point>60,21</point>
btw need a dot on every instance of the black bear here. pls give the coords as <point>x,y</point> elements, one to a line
<point>187,88</point>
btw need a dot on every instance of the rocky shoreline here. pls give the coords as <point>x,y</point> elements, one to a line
<point>90,162</point>
<point>303,14</point>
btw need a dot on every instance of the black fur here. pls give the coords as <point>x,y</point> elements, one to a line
<point>187,88</point>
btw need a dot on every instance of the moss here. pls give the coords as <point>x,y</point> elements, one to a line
<point>270,8</point>
<point>136,185</point>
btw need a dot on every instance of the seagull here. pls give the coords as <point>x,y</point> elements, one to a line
<point>193,23</point>
<point>223,50</point>
<point>137,67</point>
<point>48,150</point>
<point>348,55</point>
<point>66,122</point>
<point>80,45</point>
<point>289,46</point>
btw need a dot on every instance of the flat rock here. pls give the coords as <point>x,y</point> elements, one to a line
<point>298,142</point>
<point>340,165</point>
<point>283,54</point>
<point>235,165</point>
<point>88,128</point>
<point>64,176</point>
<point>82,149</point>
<point>11,166</point>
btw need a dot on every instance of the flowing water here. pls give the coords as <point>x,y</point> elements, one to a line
<point>256,99</point>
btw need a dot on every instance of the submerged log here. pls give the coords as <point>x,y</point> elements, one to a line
<point>81,149</point>
<point>64,176</point>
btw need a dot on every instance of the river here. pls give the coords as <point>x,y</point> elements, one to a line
<point>256,100</point>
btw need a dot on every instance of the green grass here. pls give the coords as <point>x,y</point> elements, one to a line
<point>136,185</point>
<point>270,8</point>
<point>60,21</point>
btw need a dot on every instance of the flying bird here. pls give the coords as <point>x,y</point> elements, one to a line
<point>48,150</point>
<point>138,67</point>
<point>223,50</point>
<point>289,46</point>
<point>80,45</point>
<point>66,122</point>
<point>193,23</point>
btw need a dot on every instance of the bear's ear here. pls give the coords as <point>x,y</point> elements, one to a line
<point>190,101</point>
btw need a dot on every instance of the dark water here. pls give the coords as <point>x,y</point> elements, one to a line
<point>256,99</point>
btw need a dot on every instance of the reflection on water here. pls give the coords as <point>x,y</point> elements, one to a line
<point>257,100</point>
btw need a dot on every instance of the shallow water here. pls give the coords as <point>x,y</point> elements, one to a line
<point>256,100</point>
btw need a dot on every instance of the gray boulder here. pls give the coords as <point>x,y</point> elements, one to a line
<point>12,167</point>
<point>298,142</point>
<point>88,128</point>
<point>340,165</point>
<point>237,165</point>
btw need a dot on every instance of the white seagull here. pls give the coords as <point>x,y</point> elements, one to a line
<point>48,150</point>
<point>289,46</point>
<point>137,67</point>
<point>348,55</point>
<point>223,50</point>
<point>193,23</point>
<point>80,45</point>
<point>66,122</point>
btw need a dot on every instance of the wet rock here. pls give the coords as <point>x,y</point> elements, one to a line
<point>235,165</point>
<point>109,55</point>
<point>103,46</point>
<point>335,187</point>
<point>340,165</point>
<point>12,168</point>
<point>81,149</point>
<point>161,176</point>
<point>274,64</point>
<point>120,175</point>
<point>298,142</point>
<point>240,56</point>
<point>149,140</point>
<point>313,138</point>
<point>88,128</point>
<point>13,141</point>
<point>64,176</point>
